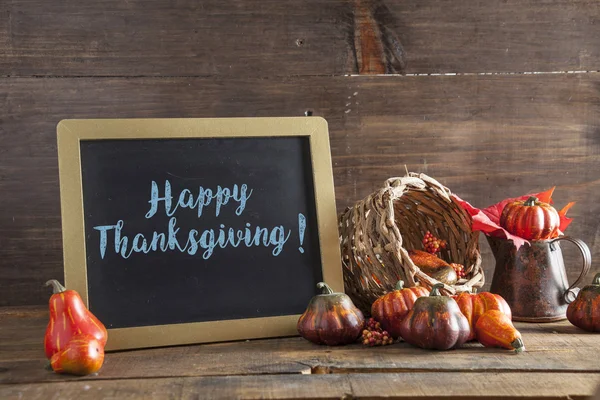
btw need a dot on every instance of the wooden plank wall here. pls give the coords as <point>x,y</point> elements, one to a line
<point>494,98</point>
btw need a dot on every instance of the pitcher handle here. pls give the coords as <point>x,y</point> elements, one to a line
<point>571,293</point>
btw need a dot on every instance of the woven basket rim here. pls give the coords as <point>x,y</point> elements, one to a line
<point>385,240</point>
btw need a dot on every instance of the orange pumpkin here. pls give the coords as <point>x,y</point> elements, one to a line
<point>584,311</point>
<point>391,308</point>
<point>474,305</point>
<point>530,219</point>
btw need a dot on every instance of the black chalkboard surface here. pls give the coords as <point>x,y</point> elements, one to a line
<point>172,279</point>
<point>188,229</point>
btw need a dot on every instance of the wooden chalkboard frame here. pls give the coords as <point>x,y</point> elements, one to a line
<point>71,132</point>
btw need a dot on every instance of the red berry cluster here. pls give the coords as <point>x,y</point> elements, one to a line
<point>432,244</point>
<point>373,335</point>
<point>373,325</point>
<point>460,270</point>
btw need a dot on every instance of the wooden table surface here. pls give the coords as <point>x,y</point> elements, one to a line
<point>561,362</point>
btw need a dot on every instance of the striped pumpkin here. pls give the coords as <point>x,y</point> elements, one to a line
<point>584,312</point>
<point>530,219</point>
<point>391,308</point>
<point>331,319</point>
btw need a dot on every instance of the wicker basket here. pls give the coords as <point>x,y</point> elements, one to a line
<point>376,233</point>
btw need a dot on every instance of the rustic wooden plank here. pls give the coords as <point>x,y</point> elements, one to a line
<point>154,38</point>
<point>498,36</point>
<point>555,347</point>
<point>22,332</point>
<point>485,137</point>
<point>289,38</point>
<point>416,385</point>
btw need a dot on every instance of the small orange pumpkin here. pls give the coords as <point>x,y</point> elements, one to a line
<point>474,305</point>
<point>331,319</point>
<point>584,311</point>
<point>530,219</point>
<point>391,308</point>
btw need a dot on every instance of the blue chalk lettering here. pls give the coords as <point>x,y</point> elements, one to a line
<point>192,242</point>
<point>241,198</point>
<point>173,242</point>
<point>278,239</point>
<point>222,196</point>
<point>156,237</point>
<point>207,242</point>
<point>154,199</point>
<point>103,239</point>
<point>136,246</point>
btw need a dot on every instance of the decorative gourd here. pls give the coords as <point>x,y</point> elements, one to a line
<point>584,311</point>
<point>435,322</point>
<point>473,305</point>
<point>391,308</point>
<point>331,319</point>
<point>69,317</point>
<point>82,355</point>
<point>530,219</point>
<point>434,266</point>
<point>495,329</point>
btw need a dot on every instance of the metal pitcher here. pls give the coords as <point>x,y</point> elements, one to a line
<point>533,279</point>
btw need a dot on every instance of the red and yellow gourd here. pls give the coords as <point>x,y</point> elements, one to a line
<point>331,319</point>
<point>391,308</point>
<point>82,355</point>
<point>435,322</point>
<point>584,311</point>
<point>69,317</point>
<point>530,219</point>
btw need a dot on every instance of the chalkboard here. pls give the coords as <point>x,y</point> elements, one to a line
<point>196,223</point>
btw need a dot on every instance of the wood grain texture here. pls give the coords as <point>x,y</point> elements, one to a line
<point>289,38</point>
<point>554,347</point>
<point>22,332</point>
<point>556,366</point>
<point>485,137</point>
<point>414,385</point>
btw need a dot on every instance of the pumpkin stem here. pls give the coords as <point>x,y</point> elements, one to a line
<point>435,290</point>
<point>325,289</point>
<point>596,280</point>
<point>518,345</point>
<point>400,284</point>
<point>56,286</point>
<point>530,201</point>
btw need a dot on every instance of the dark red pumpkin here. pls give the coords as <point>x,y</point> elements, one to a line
<point>473,305</point>
<point>435,322</point>
<point>391,308</point>
<point>584,311</point>
<point>530,219</point>
<point>331,319</point>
